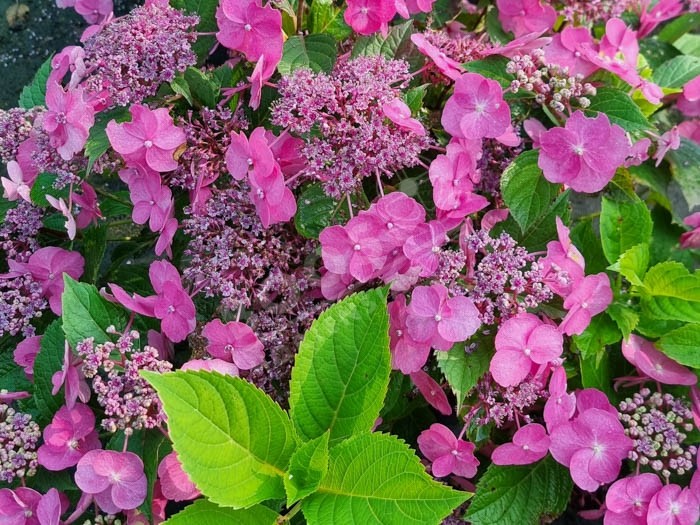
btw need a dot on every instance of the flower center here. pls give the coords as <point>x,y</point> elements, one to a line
<point>390,225</point>
<point>526,447</point>
<point>250,161</point>
<point>357,247</point>
<point>364,10</point>
<point>399,333</point>
<point>527,351</point>
<point>435,249</point>
<point>147,144</point>
<point>438,317</point>
<point>675,508</point>
<point>171,309</point>
<point>61,118</point>
<point>584,305</point>
<point>72,444</point>
<point>598,449</point>
<point>578,149</point>
<point>248,27</point>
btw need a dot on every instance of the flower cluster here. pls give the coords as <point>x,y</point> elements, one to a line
<point>19,437</point>
<point>21,301</point>
<point>16,125</point>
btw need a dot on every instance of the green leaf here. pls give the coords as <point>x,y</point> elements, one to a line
<point>341,373</point>
<point>493,67</point>
<point>225,425</point>
<point>625,318</point>
<point>93,249</point>
<point>316,52</point>
<point>12,377</point>
<point>307,467</point>
<point>204,88</point>
<point>87,314</point>
<point>389,46</point>
<point>43,186</point>
<point>376,479</point>
<point>680,26</point>
<point>494,27</point>
<point>688,44</point>
<point>35,93</point>
<point>520,495</point>
<point>600,333</point>
<point>48,361</point>
<point>414,98</point>
<point>206,11</point>
<point>624,223</point>
<point>587,241</point>
<point>681,345</point>
<point>97,143</point>
<point>180,86</point>
<point>671,292</point>
<point>677,71</point>
<point>619,108</point>
<point>656,51</point>
<point>463,370</point>
<point>314,211</point>
<point>324,17</point>
<point>596,373</point>
<point>633,264</point>
<point>203,512</point>
<point>685,169</point>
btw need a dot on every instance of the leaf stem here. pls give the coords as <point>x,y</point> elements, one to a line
<point>292,512</point>
<point>300,14</point>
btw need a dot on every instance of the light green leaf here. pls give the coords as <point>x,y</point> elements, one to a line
<point>314,211</point>
<point>656,51</point>
<point>624,223</point>
<point>48,361</point>
<point>308,466</point>
<point>316,52</point>
<point>625,318</point>
<point>677,71</point>
<point>376,479</point>
<point>633,264</point>
<point>233,441</point>
<point>341,373</point>
<point>671,292</point>
<point>520,495</point>
<point>596,373</point>
<point>619,108</point>
<point>87,314</point>
<point>676,28</point>
<point>689,44</point>
<point>493,67</point>
<point>389,46</point>
<point>324,17</point>
<point>35,93</point>
<point>463,370</point>
<point>600,333</point>
<point>682,345</point>
<point>203,512</point>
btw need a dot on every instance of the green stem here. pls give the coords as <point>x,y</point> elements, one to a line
<point>292,512</point>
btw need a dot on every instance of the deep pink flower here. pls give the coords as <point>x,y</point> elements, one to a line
<point>521,45</point>
<point>689,101</point>
<point>432,392</point>
<point>167,233</point>
<point>585,153</point>
<point>592,446</point>
<point>627,500</point>
<point>245,155</point>
<point>449,454</point>
<point>560,405</point>
<point>564,265</point>
<point>175,309</point>
<point>447,66</point>
<point>530,444</point>
<point>652,363</point>
<point>565,50</point>
<point>521,341</point>
<point>663,10</point>
<point>620,43</point>
<point>116,479</point>
<point>400,114</point>
<point>673,505</point>
<point>174,482</point>
<point>94,11</point>
<point>15,187</point>
<point>436,319</point>
<point>691,239</point>
<point>591,296</point>
<point>334,285</point>
<point>369,16</point>
<point>151,199</point>
<point>149,141</point>
<point>407,355</point>
<point>234,342</point>
<point>525,16</point>
<point>453,177</point>
<point>71,377</point>
<point>423,247</point>
<point>68,119</point>
<point>286,150</point>
<point>400,215</point>
<point>50,507</point>
<point>355,248</point>
<point>253,30</point>
<point>274,201</point>
<point>408,7</point>
<point>89,208</point>
<point>671,140</point>
<point>68,438</point>
<point>476,109</point>
<point>25,354</point>
<point>18,506</point>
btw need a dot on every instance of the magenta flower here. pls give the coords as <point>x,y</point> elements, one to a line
<point>369,16</point>
<point>435,319</point>
<point>151,200</point>
<point>50,507</point>
<point>432,392</point>
<point>691,239</point>
<point>449,454</point>
<point>592,446</point>
<point>68,438</point>
<point>25,354</point>
<point>585,153</point>
<point>253,30</point>
<point>274,201</point>
<point>423,247</point>
<point>334,286</point>
<point>286,150</point>
<point>447,66</point>
<point>60,205</point>
<point>94,11</point>
<point>530,444</point>
<point>671,140</point>
<point>521,341</point>
<point>246,155</point>
<point>407,355</point>
<point>591,296</point>
<point>116,479</point>
<point>174,482</point>
<point>564,265</point>
<point>15,187</point>
<point>663,10</point>
<point>19,506</point>
<point>355,248</point>
<point>149,141</point>
<point>234,342</point>
<point>476,109</point>
<point>68,119</point>
<point>620,42</point>
<point>627,500</point>
<point>89,208</point>
<point>560,405</point>
<point>565,50</point>
<point>453,177</point>
<point>400,215</point>
<point>673,505</point>
<point>72,379</point>
<point>400,114</point>
<point>652,363</point>
<point>406,8</point>
<point>525,16</point>
<point>211,365</point>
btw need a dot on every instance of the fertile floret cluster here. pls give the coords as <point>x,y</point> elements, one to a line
<point>19,436</point>
<point>15,127</point>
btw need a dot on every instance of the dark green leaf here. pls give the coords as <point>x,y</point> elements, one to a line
<point>677,71</point>
<point>43,186</point>
<point>94,247</point>
<point>494,27</point>
<point>462,370</point>
<point>204,88</point>
<point>48,361</point>
<point>206,11</point>
<point>600,333</point>
<point>493,67</point>
<point>657,51</point>
<point>619,108</point>
<point>314,211</point>
<point>414,98</point>
<point>685,169</point>
<point>35,93</point>
<point>389,46</point>
<point>316,52</point>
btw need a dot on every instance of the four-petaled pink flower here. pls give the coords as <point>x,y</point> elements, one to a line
<point>274,201</point>
<point>68,438</point>
<point>423,247</point>
<point>449,454</point>
<point>453,177</point>
<point>71,378</point>
<point>674,505</point>
<point>174,482</point>
<point>525,16</point>
<point>68,119</point>
<point>564,266</point>
<point>652,363</point>
<point>369,16</point>
<point>94,11</point>
<point>16,187</point>
<point>151,200</point>
<point>530,444</point>
<point>234,342</point>
<point>560,405</point>
<point>591,296</point>
<point>521,341</point>
<point>249,154</point>
<point>116,479</point>
<point>441,321</point>
<point>476,109</point>
<point>407,355</point>
<point>400,114</point>
<point>627,500</point>
<point>253,30</point>
<point>585,153</point>
<point>19,506</point>
<point>25,354</point>
<point>89,208</point>
<point>149,141</point>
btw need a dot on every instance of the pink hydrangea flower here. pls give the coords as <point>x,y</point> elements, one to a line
<point>407,355</point>
<point>234,342</point>
<point>521,341</point>
<point>691,239</point>
<point>652,363</point>
<point>564,265</point>
<point>449,454</point>
<point>400,114</point>
<point>565,50</point>
<point>447,66</point>
<point>561,405</point>
<point>25,354</point>
<point>50,507</point>
<point>174,482</point>
<point>274,201</point>
<point>453,177</point>
<point>592,446</point>
<point>591,296</point>
<point>116,479</point>
<point>94,11</point>
<point>286,150</point>
<point>441,321</point>
<point>530,444</point>
<point>525,16</point>
<point>89,207</point>
<point>211,365</point>
<point>585,153</point>
<point>627,500</point>
<point>68,438</point>
<point>369,16</point>
<point>671,140</point>
<point>673,505</point>
<point>149,141</point>
<point>60,205</point>
<point>253,30</point>
<point>406,8</point>
<point>68,119</point>
<point>16,187</point>
<point>432,392</point>
<point>19,506</point>
<point>151,200</point>
<point>72,379</point>
<point>476,109</point>
<point>423,247</point>
<point>249,154</point>
<point>400,215</point>
<point>663,10</point>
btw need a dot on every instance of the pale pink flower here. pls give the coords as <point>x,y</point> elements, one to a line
<point>211,365</point>
<point>369,16</point>
<point>691,239</point>
<point>68,438</point>
<point>476,109</point>
<point>25,354</point>
<point>422,248</point>
<point>564,266</point>
<point>174,482</point>
<point>591,296</point>
<point>407,355</point>
<point>68,119</point>
<point>15,187</point>
<point>627,500</point>
<point>663,10</point>
<point>525,16</point>
<point>671,140</point>
<point>530,444</point>
<point>644,355</point>
<point>60,205</point>
<point>432,392</point>
<point>585,153</point>
<point>449,454</point>
<point>89,208</point>
<point>400,114</point>
<point>235,342</point>
<point>253,30</point>
<point>673,505</point>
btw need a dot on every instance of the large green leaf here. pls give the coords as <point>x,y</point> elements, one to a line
<point>625,222</point>
<point>307,467</point>
<point>633,263</point>
<point>316,52</point>
<point>463,370</point>
<point>203,512</point>
<point>87,314</point>
<point>388,46</point>
<point>601,332</point>
<point>625,318</point>
<point>677,27</point>
<point>342,369</point>
<point>671,292</point>
<point>233,441</point>
<point>48,361</point>
<point>35,93</point>
<point>376,479</point>
<point>325,17</point>
<point>43,186</point>
<point>98,143</point>
<point>685,168</point>
<point>314,211</point>
<point>682,344</point>
<point>520,495</point>
<point>206,11</point>
<point>619,108</point>
<point>677,71</point>
<point>94,247</point>
<point>493,67</point>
